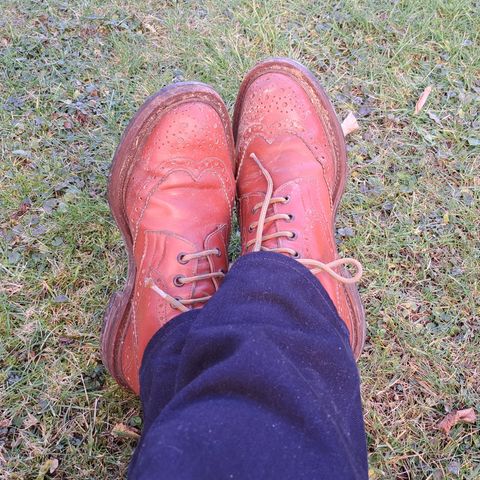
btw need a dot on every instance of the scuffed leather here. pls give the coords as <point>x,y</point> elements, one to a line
<point>282,126</point>
<point>178,199</point>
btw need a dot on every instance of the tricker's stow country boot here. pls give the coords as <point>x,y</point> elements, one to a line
<point>171,192</point>
<point>291,175</point>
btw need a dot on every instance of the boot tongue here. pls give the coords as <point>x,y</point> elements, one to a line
<point>281,157</point>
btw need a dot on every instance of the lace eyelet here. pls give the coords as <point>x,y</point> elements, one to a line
<point>181,258</point>
<point>296,255</point>
<point>219,252</point>
<point>286,199</point>
<point>290,217</point>
<point>223,271</point>
<point>250,229</point>
<point>294,236</point>
<point>177,280</point>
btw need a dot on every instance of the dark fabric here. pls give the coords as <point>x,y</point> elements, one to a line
<point>259,384</point>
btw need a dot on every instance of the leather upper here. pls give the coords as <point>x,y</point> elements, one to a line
<point>178,199</point>
<point>292,137</point>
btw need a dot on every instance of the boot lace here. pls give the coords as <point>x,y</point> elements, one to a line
<point>183,304</point>
<point>314,265</point>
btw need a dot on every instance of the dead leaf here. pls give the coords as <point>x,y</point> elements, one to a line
<point>350,124</point>
<point>423,98</point>
<point>457,416</point>
<point>53,465</point>
<point>22,210</point>
<point>82,118</point>
<point>48,467</point>
<point>122,430</point>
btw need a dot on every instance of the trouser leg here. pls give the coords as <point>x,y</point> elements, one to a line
<point>260,383</point>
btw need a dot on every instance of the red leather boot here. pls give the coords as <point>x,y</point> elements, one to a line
<point>171,192</point>
<point>291,175</point>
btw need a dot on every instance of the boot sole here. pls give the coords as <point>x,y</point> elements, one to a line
<point>301,74</point>
<point>117,315</point>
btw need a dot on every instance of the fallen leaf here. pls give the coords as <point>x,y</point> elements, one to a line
<point>122,430</point>
<point>350,124</point>
<point>81,118</point>
<point>423,98</point>
<point>53,465</point>
<point>48,467</point>
<point>22,209</point>
<point>457,416</point>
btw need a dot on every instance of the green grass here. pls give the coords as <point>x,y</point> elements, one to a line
<point>71,76</point>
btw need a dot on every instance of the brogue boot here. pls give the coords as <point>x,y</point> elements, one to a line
<point>292,166</point>
<point>171,192</point>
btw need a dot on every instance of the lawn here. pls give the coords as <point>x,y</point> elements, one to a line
<point>71,76</point>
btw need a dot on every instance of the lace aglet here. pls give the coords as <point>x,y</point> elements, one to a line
<point>173,301</point>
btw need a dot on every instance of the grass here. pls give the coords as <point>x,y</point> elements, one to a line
<point>71,76</point>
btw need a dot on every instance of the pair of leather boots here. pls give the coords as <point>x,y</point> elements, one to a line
<point>172,191</point>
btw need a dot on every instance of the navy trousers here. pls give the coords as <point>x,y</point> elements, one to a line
<point>260,383</point>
